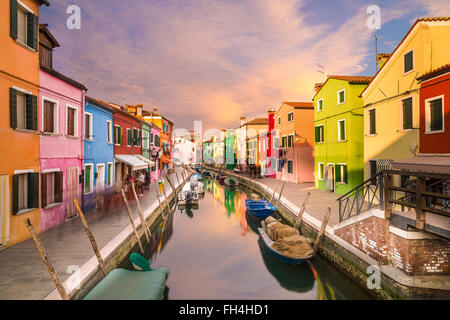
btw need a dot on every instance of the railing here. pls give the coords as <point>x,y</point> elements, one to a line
<point>367,195</point>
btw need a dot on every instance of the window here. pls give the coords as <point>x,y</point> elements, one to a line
<point>290,116</point>
<point>341,173</point>
<point>279,121</point>
<point>408,62</point>
<point>407,114</point>
<point>50,116</point>
<point>71,116</point>
<point>108,131</point>
<point>25,192</point>
<point>290,140</point>
<point>45,56</point>
<point>320,105</point>
<point>373,171</point>
<point>129,137</point>
<point>290,166</point>
<point>109,174</point>
<point>157,140</point>
<point>284,141</point>
<point>434,115</point>
<point>23,25</point>
<point>51,188</point>
<point>276,142</point>
<point>372,122</point>
<point>88,178</point>
<point>23,110</point>
<point>88,126</point>
<point>320,170</point>
<point>341,96</point>
<point>117,135</point>
<point>341,130</point>
<point>136,139</point>
<point>319,134</point>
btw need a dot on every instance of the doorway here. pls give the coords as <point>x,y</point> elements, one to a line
<point>329,177</point>
<point>100,177</point>
<point>72,190</point>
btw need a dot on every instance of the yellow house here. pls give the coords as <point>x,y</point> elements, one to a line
<point>391,100</point>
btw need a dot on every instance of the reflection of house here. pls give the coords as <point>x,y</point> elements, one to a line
<point>294,123</point>
<point>338,125</point>
<point>391,100</point>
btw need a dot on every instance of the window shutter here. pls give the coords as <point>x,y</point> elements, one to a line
<point>43,190</point>
<point>15,194</point>
<point>407,113</point>
<point>436,115</point>
<point>31,112</point>
<point>338,172</point>
<point>13,19</point>
<point>30,29</point>
<point>345,174</point>
<point>58,187</point>
<point>13,107</point>
<point>316,134</point>
<point>33,190</point>
<point>372,121</point>
<point>34,113</point>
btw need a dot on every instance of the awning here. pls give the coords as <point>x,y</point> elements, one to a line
<point>133,161</point>
<point>150,162</point>
<point>432,164</point>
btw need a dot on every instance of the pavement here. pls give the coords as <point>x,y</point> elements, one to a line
<point>23,275</point>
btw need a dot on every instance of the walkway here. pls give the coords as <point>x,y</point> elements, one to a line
<point>24,275</point>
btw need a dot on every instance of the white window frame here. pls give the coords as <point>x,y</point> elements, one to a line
<point>75,129</point>
<point>98,175</point>
<point>403,64</point>
<point>323,133</point>
<point>368,122</point>
<point>339,130</point>
<point>116,126</point>
<point>428,115</point>
<point>109,133</point>
<point>55,113</point>
<point>91,178</point>
<point>338,102</point>
<point>318,104</point>
<point>91,129</point>
<point>320,174</point>
<point>340,168</point>
<point>292,116</point>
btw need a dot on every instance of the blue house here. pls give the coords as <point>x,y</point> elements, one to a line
<point>98,153</point>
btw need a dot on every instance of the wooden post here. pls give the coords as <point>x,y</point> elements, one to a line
<point>420,203</point>
<point>279,196</point>
<point>276,187</point>
<point>267,190</point>
<point>159,201</point>
<point>141,215</point>
<point>47,262</point>
<point>387,196</point>
<point>131,221</point>
<point>165,196</point>
<point>302,210</point>
<point>322,231</point>
<point>91,237</point>
<point>176,174</point>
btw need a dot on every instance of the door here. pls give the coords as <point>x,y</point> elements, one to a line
<point>100,177</point>
<point>72,192</point>
<point>4,209</point>
<point>329,177</point>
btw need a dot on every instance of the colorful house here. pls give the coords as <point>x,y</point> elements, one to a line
<point>338,125</point>
<point>61,105</point>
<point>392,99</point>
<point>230,149</point>
<point>147,143</point>
<point>294,122</point>
<point>248,129</point>
<point>155,151</point>
<point>208,152</point>
<point>19,90</point>
<point>98,151</point>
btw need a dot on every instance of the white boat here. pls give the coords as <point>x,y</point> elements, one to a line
<point>187,197</point>
<point>195,185</point>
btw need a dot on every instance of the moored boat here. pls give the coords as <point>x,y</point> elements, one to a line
<point>259,209</point>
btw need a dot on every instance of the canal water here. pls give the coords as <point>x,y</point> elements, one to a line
<point>213,252</point>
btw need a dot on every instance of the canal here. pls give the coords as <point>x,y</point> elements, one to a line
<point>213,252</point>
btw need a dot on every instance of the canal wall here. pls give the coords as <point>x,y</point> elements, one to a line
<point>366,241</point>
<point>116,251</point>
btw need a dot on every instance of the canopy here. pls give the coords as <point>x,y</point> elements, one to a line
<point>150,162</point>
<point>434,164</point>
<point>133,161</point>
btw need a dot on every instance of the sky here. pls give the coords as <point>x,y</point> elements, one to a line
<point>217,61</point>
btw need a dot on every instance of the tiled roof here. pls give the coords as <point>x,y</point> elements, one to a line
<point>257,121</point>
<point>99,103</point>
<point>62,77</point>
<point>299,104</point>
<point>435,72</point>
<point>352,79</point>
<point>41,2</point>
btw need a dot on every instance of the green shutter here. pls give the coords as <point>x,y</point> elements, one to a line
<point>13,107</point>
<point>35,32</point>
<point>316,134</point>
<point>372,122</point>
<point>32,30</point>
<point>337,172</point>
<point>407,113</point>
<point>345,174</point>
<point>33,190</point>
<point>31,112</point>
<point>58,187</point>
<point>34,113</point>
<point>44,190</point>
<point>408,61</point>
<point>13,19</point>
<point>15,194</point>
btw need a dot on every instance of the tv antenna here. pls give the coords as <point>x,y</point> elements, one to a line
<point>321,70</point>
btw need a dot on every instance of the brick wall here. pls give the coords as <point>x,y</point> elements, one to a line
<point>415,257</point>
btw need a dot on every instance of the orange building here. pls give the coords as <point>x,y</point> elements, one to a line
<point>19,143</point>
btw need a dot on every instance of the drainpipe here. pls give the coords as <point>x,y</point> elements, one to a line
<point>83,105</point>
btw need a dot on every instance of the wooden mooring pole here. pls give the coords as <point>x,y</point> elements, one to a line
<point>91,237</point>
<point>147,232</point>
<point>132,222</point>
<point>165,196</point>
<point>322,231</point>
<point>176,174</point>
<point>46,260</point>
<point>300,214</point>
<point>279,195</point>
<point>159,201</point>
<point>276,187</point>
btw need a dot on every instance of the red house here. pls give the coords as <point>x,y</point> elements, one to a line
<point>435,111</point>
<point>127,145</point>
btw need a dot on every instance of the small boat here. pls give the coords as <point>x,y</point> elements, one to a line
<point>198,176</point>
<point>142,283</point>
<point>259,209</point>
<point>222,179</point>
<point>206,173</point>
<point>187,197</point>
<point>194,185</point>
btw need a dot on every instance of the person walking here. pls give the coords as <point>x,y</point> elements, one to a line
<point>141,181</point>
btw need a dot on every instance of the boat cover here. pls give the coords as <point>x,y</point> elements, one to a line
<point>122,284</point>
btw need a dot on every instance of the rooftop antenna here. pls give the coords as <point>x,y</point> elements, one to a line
<point>376,53</point>
<point>322,71</point>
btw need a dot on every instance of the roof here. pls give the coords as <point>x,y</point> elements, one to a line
<point>383,55</point>
<point>436,164</point>
<point>300,105</point>
<point>62,77</point>
<point>425,19</point>
<point>126,114</point>
<point>99,103</point>
<point>434,73</point>
<point>349,79</point>
<point>43,28</point>
<point>41,2</point>
<point>256,121</point>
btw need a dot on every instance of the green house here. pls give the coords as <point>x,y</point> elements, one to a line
<point>339,133</point>
<point>230,155</point>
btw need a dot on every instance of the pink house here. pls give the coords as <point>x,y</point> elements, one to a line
<point>61,113</point>
<point>155,151</point>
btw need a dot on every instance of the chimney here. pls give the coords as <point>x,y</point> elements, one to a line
<point>139,110</point>
<point>242,121</point>
<point>382,58</point>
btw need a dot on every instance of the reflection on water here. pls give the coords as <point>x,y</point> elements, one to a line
<point>213,252</point>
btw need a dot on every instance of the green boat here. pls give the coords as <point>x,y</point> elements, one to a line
<point>141,284</point>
